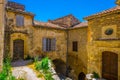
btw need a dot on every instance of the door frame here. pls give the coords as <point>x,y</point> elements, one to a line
<point>22,36</point>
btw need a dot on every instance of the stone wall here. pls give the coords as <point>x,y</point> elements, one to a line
<point>98,41</point>
<point>59,35</point>
<point>78,60</point>
<point>12,32</point>
<point>2,26</point>
<point>96,26</point>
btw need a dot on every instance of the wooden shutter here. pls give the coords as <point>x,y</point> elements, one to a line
<point>44,44</point>
<point>53,44</point>
<point>19,20</point>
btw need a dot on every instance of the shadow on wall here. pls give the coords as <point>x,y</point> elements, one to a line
<point>81,76</point>
<point>60,67</point>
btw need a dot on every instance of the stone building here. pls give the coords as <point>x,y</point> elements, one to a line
<point>103,44</point>
<point>84,47</point>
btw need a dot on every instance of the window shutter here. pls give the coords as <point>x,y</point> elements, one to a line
<point>22,21</point>
<point>44,44</point>
<point>47,44</point>
<point>19,20</point>
<point>53,44</point>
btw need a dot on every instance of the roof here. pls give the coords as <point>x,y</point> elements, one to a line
<point>15,5</point>
<point>82,24</point>
<point>19,11</point>
<point>50,25</point>
<point>66,21</point>
<point>105,12</point>
<point>47,25</point>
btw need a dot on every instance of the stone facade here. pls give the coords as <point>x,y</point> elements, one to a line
<point>99,41</point>
<point>2,26</point>
<point>77,60</point>
<point>40,32</point>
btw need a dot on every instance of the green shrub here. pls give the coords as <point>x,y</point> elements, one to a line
<point>95,75</point>
<point>48,76</point>
<point>29,58</point>
<point>6,73</point>
<point>44,66</point>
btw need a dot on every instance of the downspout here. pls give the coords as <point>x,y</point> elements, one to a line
<point>5,24</point>
<point>67,39</point>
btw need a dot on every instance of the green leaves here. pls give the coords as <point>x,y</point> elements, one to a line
<point>44,66</point>
<point>6,73</point>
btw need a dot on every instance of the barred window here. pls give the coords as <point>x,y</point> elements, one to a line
<point>49,44</point>
<point>19,20</point>
<point>75,46</point>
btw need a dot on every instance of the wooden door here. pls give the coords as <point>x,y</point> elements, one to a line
<point>18,49</point>
<point>109,65</point>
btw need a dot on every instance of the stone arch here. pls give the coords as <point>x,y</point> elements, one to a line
<point>19,36</point>
<point>81,76</point>
<point>110,65</point>
<point>60,67</point>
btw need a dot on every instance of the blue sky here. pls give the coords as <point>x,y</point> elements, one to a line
<point>52,9</point>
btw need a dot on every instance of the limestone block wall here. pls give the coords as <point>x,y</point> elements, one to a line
<point>2,25</point>
<point>13,32</point>
<point>96,26</point>
<point>21,36</point>
<point>78,60</point>
<point>28,19</point>
<point>99,42</point>
<point>59,35</point>
<point>95,50</point>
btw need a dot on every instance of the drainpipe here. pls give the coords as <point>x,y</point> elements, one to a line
<point>5,24</point>
<point>67,38</point>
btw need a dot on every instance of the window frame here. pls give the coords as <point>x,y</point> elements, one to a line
<point>48,44</point>
<point>75,46</point>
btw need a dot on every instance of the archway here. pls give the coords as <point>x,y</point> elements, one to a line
<point>60,67</point>
<point>18,49</point>
<point>81,76</point>
<point>110,65</point>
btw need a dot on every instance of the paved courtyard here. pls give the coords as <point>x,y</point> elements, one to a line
<point>25,73</point>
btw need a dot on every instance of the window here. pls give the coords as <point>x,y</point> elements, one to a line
<point>19,20</point>
<point>49,44</point>
<point>75,46</point>
<point>109,31</point>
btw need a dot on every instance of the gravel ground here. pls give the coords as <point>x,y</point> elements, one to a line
<point>25,73</point>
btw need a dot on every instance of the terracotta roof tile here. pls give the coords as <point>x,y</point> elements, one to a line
<point>47,25</point>
<point>103,12</point>
<point>19,11</point>
<point>66,21</point>
<point>82,24</point>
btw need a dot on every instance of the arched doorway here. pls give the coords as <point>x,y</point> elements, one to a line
<point>60,67</point>
<point>110,65</point>
<point>18,49</point>
<point>81,76</point>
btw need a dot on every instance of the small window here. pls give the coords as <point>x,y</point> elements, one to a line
<point>75,46</point>
<point>49,44</point>
<point>19,20</point>
<point>109,31</point>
